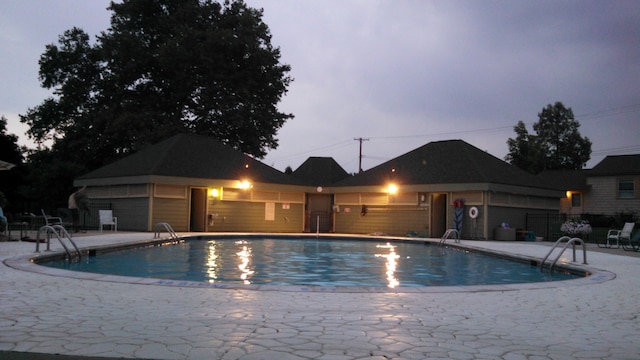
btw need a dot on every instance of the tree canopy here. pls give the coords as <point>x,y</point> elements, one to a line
<point>10,151</point>
<point>163,67</point>
<point>556,145</point>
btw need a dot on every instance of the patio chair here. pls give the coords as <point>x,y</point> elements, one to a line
<point>51,220</point>
<point>65,217</point>
<point>107,219</point>
<point>4,222</point>
<point>618,236</point>
<point>633,244</point>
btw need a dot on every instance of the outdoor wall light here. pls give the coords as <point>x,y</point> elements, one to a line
<point>214,192</point>
<point>392,188</point>
<point>244,184</point>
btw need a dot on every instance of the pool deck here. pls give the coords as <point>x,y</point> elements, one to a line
<point>42,314</point>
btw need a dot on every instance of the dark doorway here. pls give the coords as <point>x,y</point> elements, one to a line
<point>438,215</point>
<point>198,210</point>
<point>319,213</point>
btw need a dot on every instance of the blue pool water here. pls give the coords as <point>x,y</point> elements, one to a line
<point>312,262</point>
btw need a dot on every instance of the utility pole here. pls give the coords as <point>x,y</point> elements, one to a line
<point>360,157</point>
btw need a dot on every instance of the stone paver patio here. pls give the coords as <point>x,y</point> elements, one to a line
<point>42,313</point>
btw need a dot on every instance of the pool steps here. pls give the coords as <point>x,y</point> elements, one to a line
<point>448,233</point>
<point>57,230</point>
<point>569,241</point>
<point>157,229</point>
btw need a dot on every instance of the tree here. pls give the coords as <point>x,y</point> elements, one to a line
<point>163,67</point>
<point>556,145</point>
<point>11,180</point>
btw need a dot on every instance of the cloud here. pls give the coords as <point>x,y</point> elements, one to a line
<point>404,73</point>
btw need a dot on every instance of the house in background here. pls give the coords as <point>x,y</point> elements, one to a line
<point>614,186</point>
<point>195,183</point>
<point>611,188</point>
<point>574,185</point>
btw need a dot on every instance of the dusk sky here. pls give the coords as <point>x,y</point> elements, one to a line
<point>401,73</point>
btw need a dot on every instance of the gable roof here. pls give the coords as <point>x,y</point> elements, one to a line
<point>191,156</point>
<point>617,165</point>
<point>446,162</point>
<point>321,171</point>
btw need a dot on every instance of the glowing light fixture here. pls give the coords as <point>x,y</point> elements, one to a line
<point>214,192</point>
<point>392,188</point>
<point>245,184</point>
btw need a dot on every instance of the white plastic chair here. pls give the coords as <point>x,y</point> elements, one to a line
<point>619,235</point>
<point>107,219</point>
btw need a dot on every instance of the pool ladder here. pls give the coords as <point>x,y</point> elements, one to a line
<point>448,233</point>
<point>569,241</point>
<point>164,225</point>
<point>57,230</point>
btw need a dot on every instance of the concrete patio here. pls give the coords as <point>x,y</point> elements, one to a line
<point>44,314</point>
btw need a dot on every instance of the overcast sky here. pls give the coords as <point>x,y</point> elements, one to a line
<point>401,73</point>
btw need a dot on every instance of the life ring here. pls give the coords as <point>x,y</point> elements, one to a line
<point>473,212</point>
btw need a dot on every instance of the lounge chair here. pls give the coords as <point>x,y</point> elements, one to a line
<point>107,219</point>
<point>633,244</point>
<point>618,236</point>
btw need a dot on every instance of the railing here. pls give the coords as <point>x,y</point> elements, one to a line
<point>57,230</point>
<point>545,225</point>
<point>164,225</point>
<point>448,233</point>
<point>569,241</point>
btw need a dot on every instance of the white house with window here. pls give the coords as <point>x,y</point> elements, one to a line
<point>611,188</point>
<point>614,186</point>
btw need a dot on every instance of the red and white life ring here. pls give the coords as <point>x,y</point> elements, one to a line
<point>473,212</point>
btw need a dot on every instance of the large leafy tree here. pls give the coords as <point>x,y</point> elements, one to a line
<point>556,145</point>
<point>163,67</point>
<point>10,181</point>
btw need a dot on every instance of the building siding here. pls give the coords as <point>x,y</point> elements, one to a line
<point>391,220</point>
<point>172,211</point>
<point>132,213</point>
<point>245,216</point>
<point>602,198</point>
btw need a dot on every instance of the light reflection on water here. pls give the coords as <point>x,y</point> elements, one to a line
<point>244,257</point>
<point>392,262</point>
<point>312,262</point>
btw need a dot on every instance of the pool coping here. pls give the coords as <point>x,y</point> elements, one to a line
<point>30,263</point>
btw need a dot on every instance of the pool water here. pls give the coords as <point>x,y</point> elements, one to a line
<point>312,262</point>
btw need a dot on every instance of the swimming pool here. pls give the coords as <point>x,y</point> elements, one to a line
<point>370,262</point>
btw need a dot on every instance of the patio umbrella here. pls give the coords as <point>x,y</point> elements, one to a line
<point>6,165</point>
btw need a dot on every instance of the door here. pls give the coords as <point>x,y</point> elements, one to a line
<point>319,210</point>
<point>438,215</point>
<point>198,209</point>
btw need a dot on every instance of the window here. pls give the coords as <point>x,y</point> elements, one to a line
<point>576,199</point>
<point>626,189</point>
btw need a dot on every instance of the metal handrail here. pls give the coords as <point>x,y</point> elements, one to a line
<point>54,229</point>
<point>448,233</point>
<point>167,227</point>
<point>570,241</point>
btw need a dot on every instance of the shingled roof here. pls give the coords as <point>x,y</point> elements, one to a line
<point>192,156</point>
<point>566,179</point>
<point>446,162</point>
<point>321,171</point>
<point>617,165</point>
